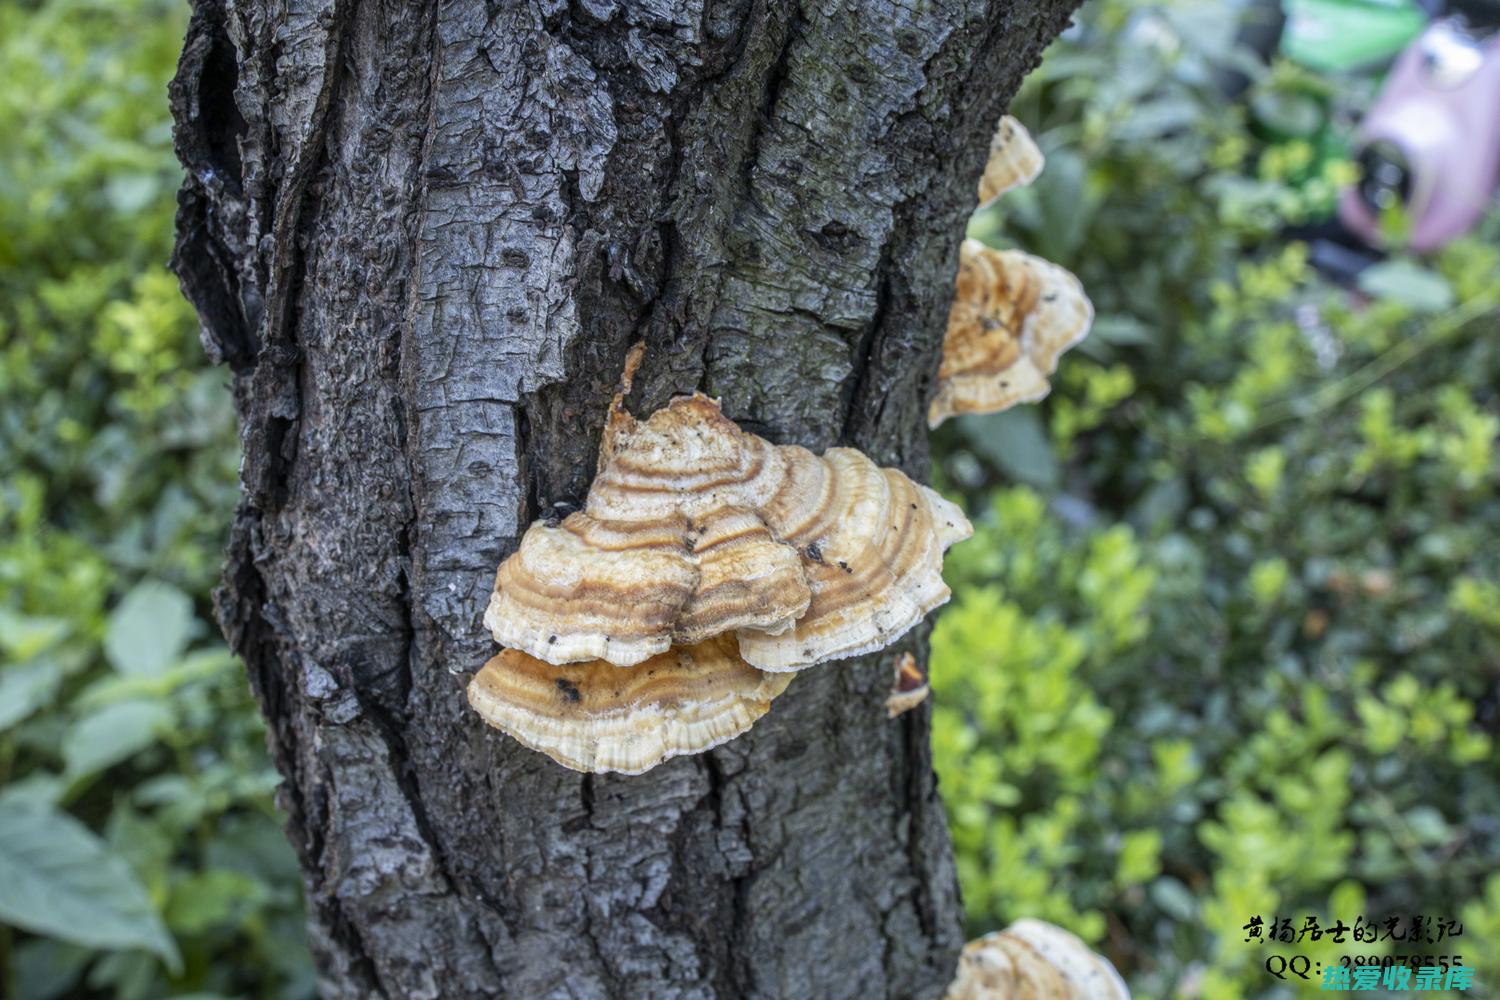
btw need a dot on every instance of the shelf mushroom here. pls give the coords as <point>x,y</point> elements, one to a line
<point>1013,316</point>
<point>1015,160</point>
<point>1034,960</point>
<point>627,590</point>
<point>706,567</point>
<point>694,527</point>
<point>598,717</point>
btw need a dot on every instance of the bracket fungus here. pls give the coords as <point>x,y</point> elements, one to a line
<point>624,591</point>
<point>706,566</point>
<point>694,527</point>
<point>1034,960</point>
<point>1015,160</point>
<point>909,688</point>
<point>598,717</point>
<point>1013,316</point>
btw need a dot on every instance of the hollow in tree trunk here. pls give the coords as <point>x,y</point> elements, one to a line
<point>423,236</point>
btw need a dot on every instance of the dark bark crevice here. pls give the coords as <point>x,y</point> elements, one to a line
<point>423,236</point>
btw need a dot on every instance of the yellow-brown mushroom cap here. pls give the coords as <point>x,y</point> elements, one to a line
<point>1015,159</point>
<point>1013,316</point>
<point>1089,975</point>
<point>597,717</point>
<point>694,527</point>
<point>687,458</point>
<point>872,543</point>
<point>909,687</point>
<point>1034,960</point>
<point>624,591</point>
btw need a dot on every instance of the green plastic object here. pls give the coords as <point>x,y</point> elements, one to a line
<point>1341,35</point>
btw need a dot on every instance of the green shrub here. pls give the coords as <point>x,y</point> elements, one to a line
<point>1230,649</point>
<point>135,795</point>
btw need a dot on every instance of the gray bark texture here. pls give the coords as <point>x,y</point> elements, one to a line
<point>423,237</point>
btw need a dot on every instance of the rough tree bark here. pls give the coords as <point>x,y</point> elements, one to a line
<point>423,236</point>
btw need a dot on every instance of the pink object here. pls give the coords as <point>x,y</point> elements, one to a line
<point>1432,139</point>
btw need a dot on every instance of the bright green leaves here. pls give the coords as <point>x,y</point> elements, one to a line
<point>119,707</point>
<point>58,879</point>
<point>1294,643</point>
<point>149,629</point>
<point>1017,733</point>
<point>1408,283</point>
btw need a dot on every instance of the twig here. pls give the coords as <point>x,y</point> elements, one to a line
<point>1335,393</point>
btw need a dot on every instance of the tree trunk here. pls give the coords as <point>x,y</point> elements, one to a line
<point>423,236</point>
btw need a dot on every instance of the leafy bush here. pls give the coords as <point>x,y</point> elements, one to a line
<point>1233,653</point>
<point>137,828</point>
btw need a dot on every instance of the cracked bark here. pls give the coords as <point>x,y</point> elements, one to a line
<point>422,236</point>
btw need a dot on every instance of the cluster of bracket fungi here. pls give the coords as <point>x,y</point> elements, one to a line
<point>1013,314</point>
<point>1034,960</point>
<point>708,566</point>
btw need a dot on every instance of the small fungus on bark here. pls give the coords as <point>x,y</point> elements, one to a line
<point>1013,316</point>
<point>1015,160</point>
<point>1034,960</point>
<point>909,688</point>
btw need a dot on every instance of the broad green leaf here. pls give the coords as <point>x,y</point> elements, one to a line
<point>1174,897</point>
<point>38,790</point>
<point>213,898</point>
<point>1290,113</point>
<point>1428,825</point>
<point>24,636</point>
<point>47,969</point>
<point>58,879</point>
<point>25,688</point>
<point>125,975</point>
<point>129,193</point>
<point>195,666</point>
<point>113,733</point>
<point>1123,329</point>
<point>1062,192</point>
<point>149,629</point>
<point>1016,442</point>
<point>1153,119</point>
<point>1408,283</point>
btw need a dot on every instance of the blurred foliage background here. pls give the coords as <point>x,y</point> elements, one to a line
<point>136,805</point>
<point>1227,642</point>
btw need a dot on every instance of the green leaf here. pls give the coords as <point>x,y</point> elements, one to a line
<point>1065,203</point>
<point>38,790</point>
<point>1428,825</point>
<point>196,666</point>
<point>1289,113</point>
<point>113,733</point>
<point>213,898</point>
<point>23,636</point>
<point>1409,284</point>
<point>1123,330</point>
<point>58,879</point>
<point>1174,898</point>
<point>1014,441</point>
<point>129,193</point>
<point>47,969</point>
<point>26,688</point>
<point>149,629</point>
